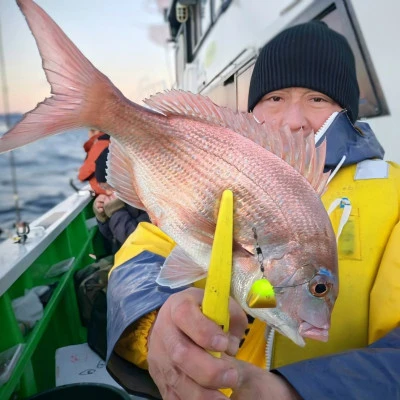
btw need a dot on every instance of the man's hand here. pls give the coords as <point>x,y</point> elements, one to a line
<point>112,204</point>
<point>98,207</point>
<point>105,205</point>
<point>256,383</point>
<point>178,360</point>
<point>183,369</point>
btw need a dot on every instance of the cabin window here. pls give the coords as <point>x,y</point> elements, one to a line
<point>180,58</point>
<point>202,14</point>
<point>200,21</point>
<point>218,7</point>
<point>224,95</point>
<point>205,16</point>
<point>243,84</point>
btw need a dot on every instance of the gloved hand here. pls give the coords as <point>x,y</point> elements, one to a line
<point>112,204</point>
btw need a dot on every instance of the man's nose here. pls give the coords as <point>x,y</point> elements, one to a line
<point>296,119</point>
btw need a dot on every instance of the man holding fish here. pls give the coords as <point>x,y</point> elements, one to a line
<point>165,161</point>
<point>180,334</point>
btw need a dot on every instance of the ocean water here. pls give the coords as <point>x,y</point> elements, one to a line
<point>43,170</point>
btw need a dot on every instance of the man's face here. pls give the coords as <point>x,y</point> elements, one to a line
<point>298,108</point>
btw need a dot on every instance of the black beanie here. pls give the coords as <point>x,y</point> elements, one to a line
<point>311,56</point>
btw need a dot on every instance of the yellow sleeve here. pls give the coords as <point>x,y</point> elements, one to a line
<point>385,294</point>
<point>132,345</point>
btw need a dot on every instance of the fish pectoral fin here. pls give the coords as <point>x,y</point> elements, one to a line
<point>276,251</point>
<point>120,175</point>
<point>249,249</point>
<point>180,269</point>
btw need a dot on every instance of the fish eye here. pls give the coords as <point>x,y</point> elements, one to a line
<point>318,288</point>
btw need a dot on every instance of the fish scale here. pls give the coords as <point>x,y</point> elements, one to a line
<point>197,201</point>
<point>214,141</point>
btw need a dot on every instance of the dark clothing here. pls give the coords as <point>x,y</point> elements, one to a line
<point>349,375</point>
<point>122,223</point>
<point>132,292</point>
<point>357,142</point>
<point>101,166</point>
<point>93,147</point>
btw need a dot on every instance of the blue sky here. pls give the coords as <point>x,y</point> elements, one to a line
<point>113,35</point>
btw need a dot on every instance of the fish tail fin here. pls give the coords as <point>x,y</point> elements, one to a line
<point>79,91</point>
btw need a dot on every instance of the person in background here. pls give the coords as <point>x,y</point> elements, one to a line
<point>97,142</point>
<point>116,220</point>
<point>301,77</point>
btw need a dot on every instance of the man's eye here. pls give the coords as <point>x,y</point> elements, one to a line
<point>318,99</point>
<point>275,98</point>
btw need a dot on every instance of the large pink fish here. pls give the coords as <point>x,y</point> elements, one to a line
<point>176,160</point>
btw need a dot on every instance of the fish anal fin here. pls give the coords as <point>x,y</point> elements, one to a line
<point>179,270</point>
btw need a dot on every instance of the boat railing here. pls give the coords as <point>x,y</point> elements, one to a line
<point>65,233</point>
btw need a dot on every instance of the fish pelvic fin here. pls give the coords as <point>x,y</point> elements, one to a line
<point>179,270</point>
<point>297,150</point>
<point>79,91</point>
<point>120,175</point>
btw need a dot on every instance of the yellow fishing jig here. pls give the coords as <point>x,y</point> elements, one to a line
<point>262,293</point>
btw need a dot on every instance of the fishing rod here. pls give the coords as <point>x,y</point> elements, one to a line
<point>22,227</point>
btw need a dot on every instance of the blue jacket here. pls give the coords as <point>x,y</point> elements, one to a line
<point>133,292</point>
<point>367,374</point>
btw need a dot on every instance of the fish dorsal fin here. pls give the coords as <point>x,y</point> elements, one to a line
<point>199,107</point>
<point>120,175</point>
<point>179,270</point>
<point>295,149</point>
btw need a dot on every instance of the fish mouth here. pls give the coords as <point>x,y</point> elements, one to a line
<point>313,332</point>
<point>291,334</point>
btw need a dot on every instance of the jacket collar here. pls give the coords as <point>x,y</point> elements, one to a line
<point>357,142</point>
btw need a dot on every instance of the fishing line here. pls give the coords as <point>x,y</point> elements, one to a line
<point>260,255</point>
<point>8,125</point>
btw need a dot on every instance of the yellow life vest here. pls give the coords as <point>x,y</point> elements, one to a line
<point>146,237</point>
<point>369,301</point>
